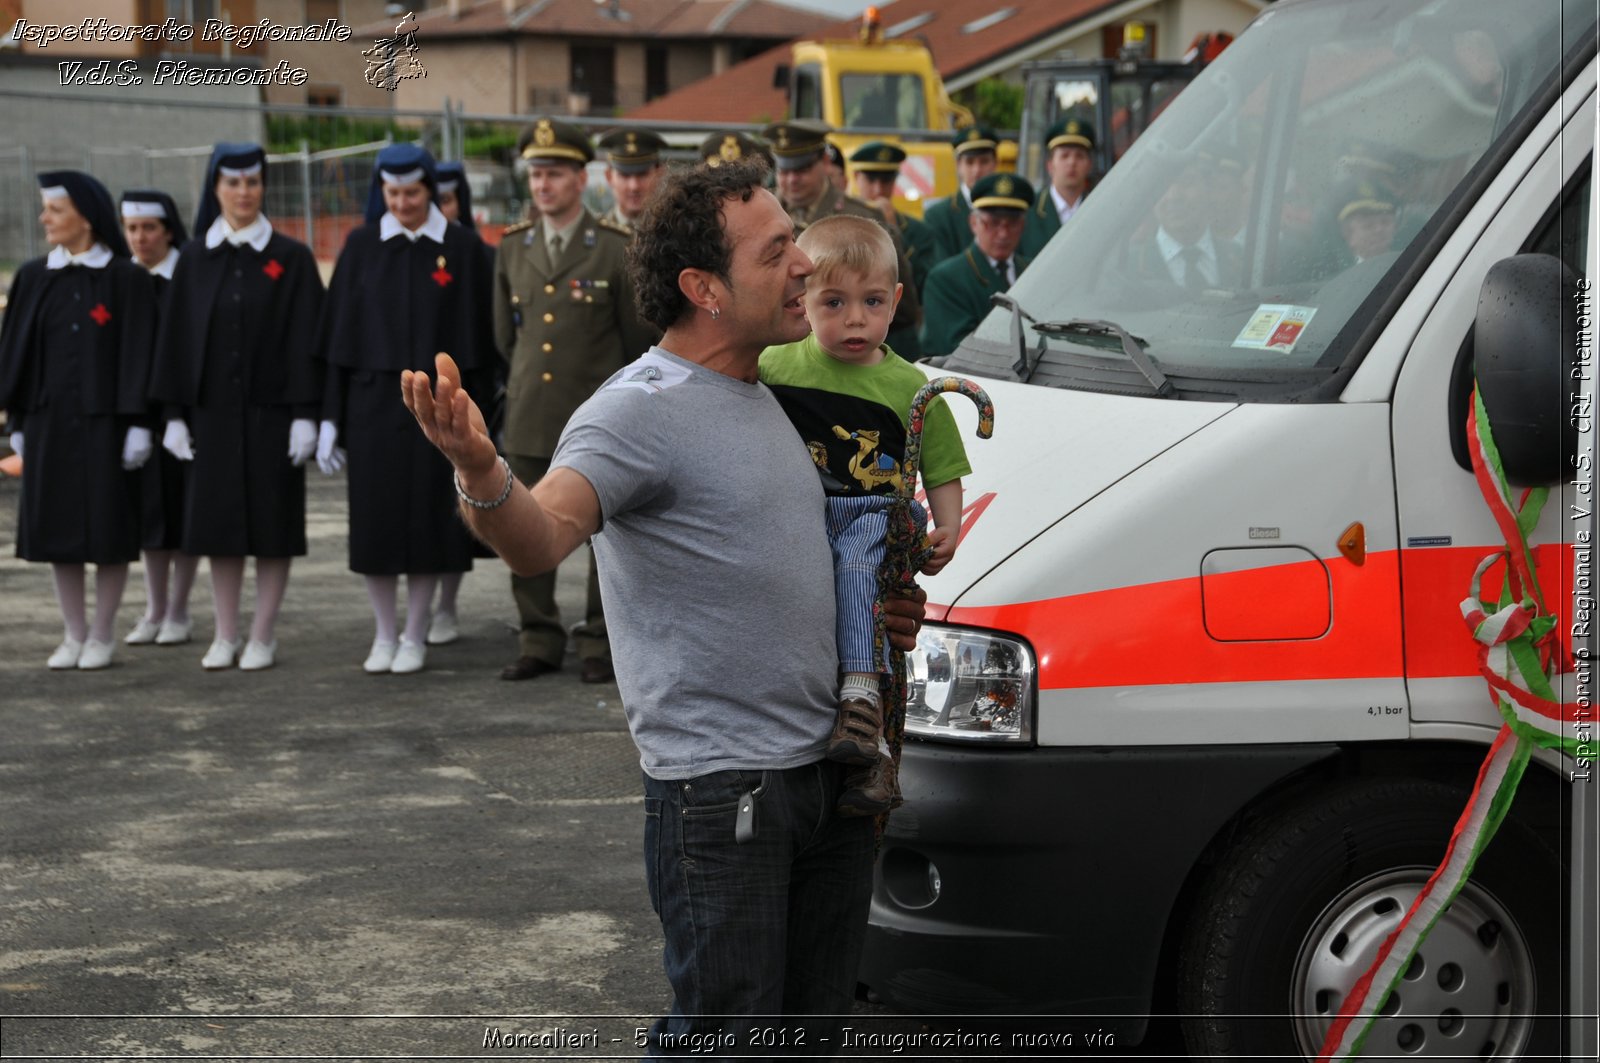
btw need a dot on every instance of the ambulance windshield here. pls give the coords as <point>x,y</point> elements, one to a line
<point>1270,220</point>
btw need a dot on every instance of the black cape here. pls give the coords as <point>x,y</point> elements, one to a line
<point>236,362</point>
<point>75,348</point>
<point>392,306</point>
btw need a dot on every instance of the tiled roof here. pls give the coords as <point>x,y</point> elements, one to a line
<point>954,30</point>
<point>624,18</point>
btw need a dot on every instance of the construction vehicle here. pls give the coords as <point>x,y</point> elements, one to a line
<point>877,89</point>
<point>1117,97</point>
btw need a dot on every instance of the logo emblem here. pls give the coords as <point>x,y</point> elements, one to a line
<point>1004,186</point>
<point>885,154</point>
<point>730,149</point>
<point>783,136</point>
<point>543,135</point>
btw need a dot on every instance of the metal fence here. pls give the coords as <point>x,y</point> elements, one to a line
<point>314,194</point>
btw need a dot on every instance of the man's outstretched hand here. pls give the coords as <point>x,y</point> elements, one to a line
<point>453,423</point>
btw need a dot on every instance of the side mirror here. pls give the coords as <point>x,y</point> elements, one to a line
<point>780,77</point>
<point>1527,363</point>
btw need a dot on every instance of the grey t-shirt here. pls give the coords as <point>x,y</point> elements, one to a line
<point>714,567</point>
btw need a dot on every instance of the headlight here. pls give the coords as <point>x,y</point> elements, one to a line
<point>969,686</point>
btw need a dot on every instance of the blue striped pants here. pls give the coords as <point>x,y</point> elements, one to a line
<point>857,526</point>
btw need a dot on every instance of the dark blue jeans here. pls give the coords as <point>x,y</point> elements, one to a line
<point>761,931</point>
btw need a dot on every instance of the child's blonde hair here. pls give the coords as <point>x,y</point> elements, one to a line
<point>843,243</point>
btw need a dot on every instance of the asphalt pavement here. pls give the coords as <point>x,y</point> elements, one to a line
<point>311,862</point>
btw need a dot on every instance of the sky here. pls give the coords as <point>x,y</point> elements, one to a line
<point>841,8</point>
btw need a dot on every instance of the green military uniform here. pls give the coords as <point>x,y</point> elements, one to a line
<point>1043,219</point>
<point>948,217</point>
<point>957,295</point>
<point>800,143</point>
<point>564,326</point>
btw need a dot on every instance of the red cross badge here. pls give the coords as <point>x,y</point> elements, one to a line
<point>272,269</point>
<point>441,276</point>
<point>100,314</point>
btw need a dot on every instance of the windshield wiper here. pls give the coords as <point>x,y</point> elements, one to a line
<point>1132,346</point>
<point>1022,367</point>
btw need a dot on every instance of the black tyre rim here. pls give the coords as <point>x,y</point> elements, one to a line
<point>1469,993</point>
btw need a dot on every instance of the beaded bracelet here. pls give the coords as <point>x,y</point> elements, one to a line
<point>497,503</point>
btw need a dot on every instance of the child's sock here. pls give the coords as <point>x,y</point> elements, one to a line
<point>861,686</point>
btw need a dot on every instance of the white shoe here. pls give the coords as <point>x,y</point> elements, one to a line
<point>409,657</point>
<point>95,655</point>
<point>66,655</point>
<point>174,632</point>
<point>442,629</point>
<point>258,655</point>
<point>144,632</point>
<point>221,654</point>
<point>381,657</point>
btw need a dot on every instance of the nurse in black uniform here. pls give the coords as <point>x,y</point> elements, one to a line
<point>237,375</point>
<point>154,230</point>
<point>408,285</point>
<point>75,349</point>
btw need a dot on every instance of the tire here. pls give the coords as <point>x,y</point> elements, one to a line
<point>1301,901</point>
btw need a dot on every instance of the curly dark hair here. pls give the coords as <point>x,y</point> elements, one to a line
<point>682,228</point>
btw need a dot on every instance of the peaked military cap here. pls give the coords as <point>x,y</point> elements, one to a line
<point>1070,133</point>
<point>878,156</point>
<point>633,150</point>
<point>719,148</point>
<point>974,138</point>
<point>548,140</point>
<point>1002,191</point>
<point>1364,195</point>
<point>797,143</point>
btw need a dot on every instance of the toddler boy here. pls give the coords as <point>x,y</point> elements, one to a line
<point>849,396</point>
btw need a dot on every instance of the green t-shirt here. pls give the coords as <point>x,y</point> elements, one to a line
<point>854,418</point>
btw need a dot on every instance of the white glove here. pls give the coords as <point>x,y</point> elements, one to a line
<point>16,443</point>
<point>136,448</point>
<point>176,441</point>
<point>302,440</point>
<point>330,458</point>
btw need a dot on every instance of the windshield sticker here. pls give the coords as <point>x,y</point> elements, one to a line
<point>1275,327</point>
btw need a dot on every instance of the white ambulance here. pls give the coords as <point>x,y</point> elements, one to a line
<point>1196,709</point>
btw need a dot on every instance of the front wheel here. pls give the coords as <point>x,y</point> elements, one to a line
<point>1299,905</point>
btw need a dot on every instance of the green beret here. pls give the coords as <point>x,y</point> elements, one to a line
<point>1002,191</point>
<point>878,156</point>
<point>548,140</point>
<point>633,150</point>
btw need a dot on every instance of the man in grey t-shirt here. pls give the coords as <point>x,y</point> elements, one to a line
<point>707,515</point>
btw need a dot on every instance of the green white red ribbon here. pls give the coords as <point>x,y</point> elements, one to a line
<point>1519,652</point>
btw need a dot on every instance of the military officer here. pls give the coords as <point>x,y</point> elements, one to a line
<point>975,149</point>
<point>800,148</point>
<point>564,319</point>
<point>959,288</point>
<point>1070,161</point>
<point>633,169</point>
<point>874,168</point>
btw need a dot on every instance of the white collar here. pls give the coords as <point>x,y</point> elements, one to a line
<point>1064,210</point>
<point>165,267</point>
<point>97,257</point>
<point>256,234</point>
<point>1171,248</point>
<point>434,228</point>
